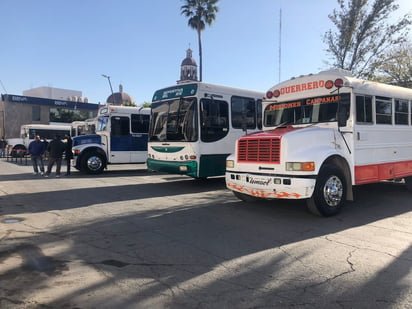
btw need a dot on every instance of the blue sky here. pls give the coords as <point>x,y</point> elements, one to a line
<point>141,43</point>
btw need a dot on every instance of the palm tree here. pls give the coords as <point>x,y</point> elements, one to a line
<point>200,13</point>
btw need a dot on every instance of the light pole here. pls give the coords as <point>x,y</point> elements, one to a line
<point>110,84</point>
<point>3,133</point>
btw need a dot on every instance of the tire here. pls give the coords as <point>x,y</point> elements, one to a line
<point>330,192</point>
<point>18,151</point>
<point>408,183</point>
<point>245,198</point>
<point>92,163</point>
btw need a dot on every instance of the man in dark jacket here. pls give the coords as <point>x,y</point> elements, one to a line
<point>36,151</point>
<point>68,154</point>
<point>56,149</point>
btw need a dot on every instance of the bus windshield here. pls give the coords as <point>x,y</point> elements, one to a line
<point>174,120</point>
<point>304,111</point>
<point>102,123</point>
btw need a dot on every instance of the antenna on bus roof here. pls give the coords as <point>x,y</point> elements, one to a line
<point>280,41</point>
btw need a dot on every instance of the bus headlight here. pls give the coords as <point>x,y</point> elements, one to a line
<point>230,164</point>
<point>300,166</point>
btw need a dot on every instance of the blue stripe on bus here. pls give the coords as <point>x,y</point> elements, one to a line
<point>87,139</point>
<point>129,143</point>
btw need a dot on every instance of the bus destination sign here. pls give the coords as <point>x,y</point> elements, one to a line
<point>175,92</point>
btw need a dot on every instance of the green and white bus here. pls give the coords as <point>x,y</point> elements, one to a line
<point>194,127</point>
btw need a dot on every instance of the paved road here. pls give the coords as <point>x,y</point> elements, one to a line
<point>133,239</point>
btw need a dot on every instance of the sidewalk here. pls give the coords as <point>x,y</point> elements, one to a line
<point>17,178</point>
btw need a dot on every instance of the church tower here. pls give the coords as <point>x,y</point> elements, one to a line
<point>188,68</point>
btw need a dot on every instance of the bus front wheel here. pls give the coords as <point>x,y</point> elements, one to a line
<point>330,192</point>
<point>92,163</point>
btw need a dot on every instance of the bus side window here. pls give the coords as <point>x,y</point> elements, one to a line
<point>243,113</point>
<point>140,123</point>
<point>120,126</point>
<point>363,109</point>
<point>383,110</point>
<point>401,112</point>
<point>214,119</point>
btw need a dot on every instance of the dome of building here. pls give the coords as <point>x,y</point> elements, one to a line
<point>189,61</point>
<point>120,98</point>
<point>188,68</point>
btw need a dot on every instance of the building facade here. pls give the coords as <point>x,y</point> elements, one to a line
<point>16,110</point>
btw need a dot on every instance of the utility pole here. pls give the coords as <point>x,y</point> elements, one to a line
<point>280,42</point>
<point>111,88</point>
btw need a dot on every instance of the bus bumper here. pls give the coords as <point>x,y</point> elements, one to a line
<point>75,162</point>
<point>271,187</point>
<point>188,168</point>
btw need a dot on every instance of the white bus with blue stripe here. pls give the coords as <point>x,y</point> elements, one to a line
<point>121,137</point>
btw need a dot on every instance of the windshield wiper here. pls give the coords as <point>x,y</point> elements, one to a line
<point>284,124</point>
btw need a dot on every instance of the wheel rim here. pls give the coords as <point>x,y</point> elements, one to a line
<point>333,191</point>
<point>94,163</point>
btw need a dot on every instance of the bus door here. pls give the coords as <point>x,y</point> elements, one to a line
<point>140,130</point>
<point>120,140</point>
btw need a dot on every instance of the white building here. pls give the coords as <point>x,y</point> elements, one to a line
<point>54,93</point>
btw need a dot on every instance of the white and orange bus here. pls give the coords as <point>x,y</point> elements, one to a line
<point>322,135</point>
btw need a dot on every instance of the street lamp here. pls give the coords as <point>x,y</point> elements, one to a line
<point>110,84</point>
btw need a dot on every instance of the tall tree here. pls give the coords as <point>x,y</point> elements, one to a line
<point>396,66</point>
<point>200,13</point>
<point>363,34</point>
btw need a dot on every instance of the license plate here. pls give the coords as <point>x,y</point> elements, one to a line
<point>261,181</point>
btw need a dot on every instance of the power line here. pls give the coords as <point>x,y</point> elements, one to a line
<point>4,88</point>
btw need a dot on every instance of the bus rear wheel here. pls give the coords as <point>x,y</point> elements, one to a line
<point>330,192</point>
<point>408,183</point>
<point>92,163</point>
<point>18,151</point>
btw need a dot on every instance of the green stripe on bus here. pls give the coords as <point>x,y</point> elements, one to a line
<point>212,165</point>
<point>173,167</point>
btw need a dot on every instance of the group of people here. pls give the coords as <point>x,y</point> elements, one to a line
<point>56,148</point>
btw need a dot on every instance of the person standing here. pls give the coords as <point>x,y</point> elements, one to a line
<point>56,149</point>
<point>68,154</point>
<point>46,146</point>
<point>36,151</point>
<point>3,144</point>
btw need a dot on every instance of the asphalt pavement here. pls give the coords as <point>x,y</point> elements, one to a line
<point>129,238</point>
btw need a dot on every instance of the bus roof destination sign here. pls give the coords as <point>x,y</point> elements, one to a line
<point>175,92</point>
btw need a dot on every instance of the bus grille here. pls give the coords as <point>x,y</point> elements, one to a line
<point>265,150</point>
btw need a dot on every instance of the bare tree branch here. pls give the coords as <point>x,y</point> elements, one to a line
<point>363,34</point>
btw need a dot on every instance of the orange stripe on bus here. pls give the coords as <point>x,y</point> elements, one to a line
<point>378,172</point>
<point>262,193</point>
